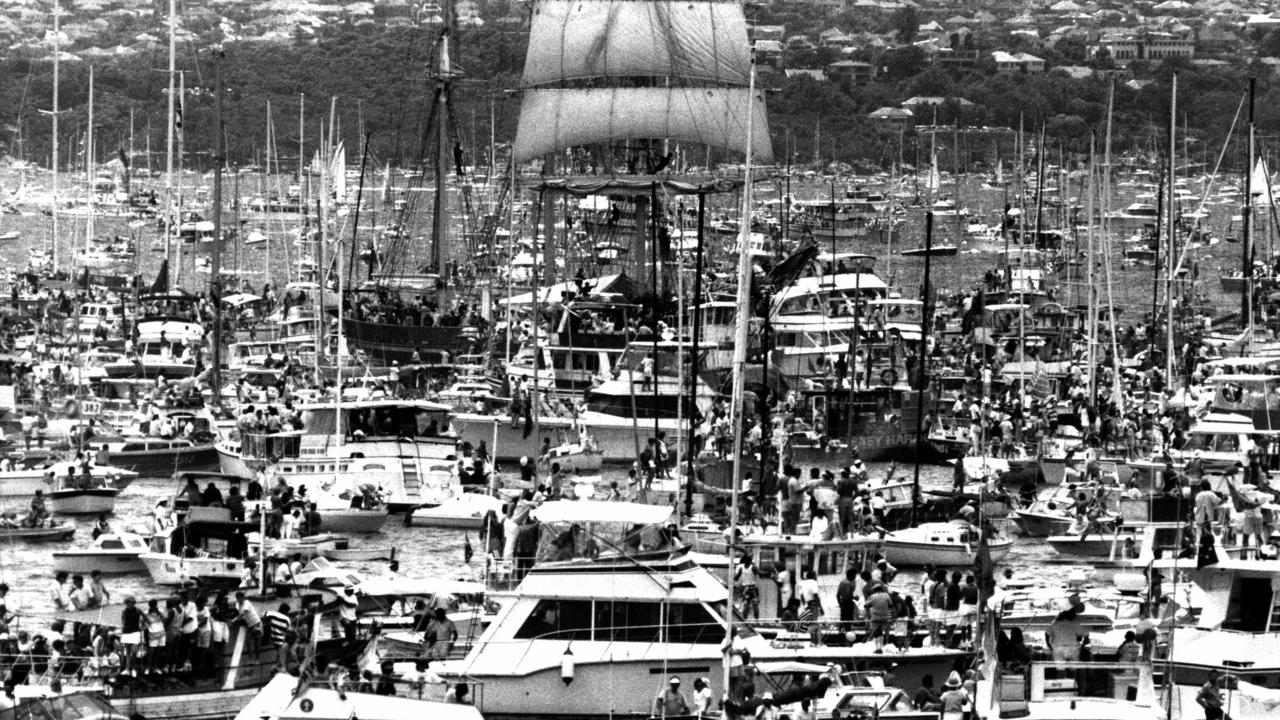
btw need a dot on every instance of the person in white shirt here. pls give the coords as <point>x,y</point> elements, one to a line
<point>703,701</point>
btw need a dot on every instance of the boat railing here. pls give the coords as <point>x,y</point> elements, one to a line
<point>408,687</point>
<point>1067,680</point>
<point>263,446</point>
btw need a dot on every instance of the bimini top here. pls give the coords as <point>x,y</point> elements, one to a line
<point>598,511</point>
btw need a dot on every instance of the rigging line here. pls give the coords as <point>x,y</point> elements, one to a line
<point>1217,166</point>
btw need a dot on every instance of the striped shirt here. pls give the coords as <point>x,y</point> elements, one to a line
<point>277,624</point>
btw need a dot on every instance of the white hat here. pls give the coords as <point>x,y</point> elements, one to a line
<point>953,680</point>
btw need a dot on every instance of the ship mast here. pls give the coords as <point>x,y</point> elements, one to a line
<point>440,111</point>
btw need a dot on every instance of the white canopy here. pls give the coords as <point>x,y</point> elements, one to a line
<point>589,511</point>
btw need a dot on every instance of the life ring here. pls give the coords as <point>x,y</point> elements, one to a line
<point>889,376</point>
<point>71,409</point>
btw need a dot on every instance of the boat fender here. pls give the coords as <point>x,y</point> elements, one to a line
<point>566,666</point>
<point>71,409</point>
<point>889,376</point>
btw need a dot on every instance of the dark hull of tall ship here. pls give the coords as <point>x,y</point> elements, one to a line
<point>387,342</point>
<point>879,422</point>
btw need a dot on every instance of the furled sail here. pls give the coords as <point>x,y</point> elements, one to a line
<point>553,119</point>
<point>700,40</point>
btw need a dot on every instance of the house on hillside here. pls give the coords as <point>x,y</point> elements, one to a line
<point>893,119</point>
<point>812,73</point>
<point>858,73</point>
<point>768,52</point>
<point>1017,62</point>
<point>1124,48</point>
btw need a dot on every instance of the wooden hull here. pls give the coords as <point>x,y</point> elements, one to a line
<point>357,554</point>
<point>352,521</point>
<point>98,501</point>
<point>60,532</point>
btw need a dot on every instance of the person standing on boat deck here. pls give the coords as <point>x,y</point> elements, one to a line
<point>1206,504</point>
<point>247,615</point>
<point>768,709</point>
<point>879,608</point>
<point>1210,697</point>
<point>60,593</point>
<point>703,700</point>
<point>1064,636</point>
<point>955,701</point>
<point>131,620</point>
<point>98,593</point>
<point>671,701</point>
<point>846,599</point>
<point>747,581</point>
<point>347,604</point>
<point>278,624</point>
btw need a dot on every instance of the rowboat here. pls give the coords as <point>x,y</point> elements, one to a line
<point>63,531</point>
<point>342,553</point>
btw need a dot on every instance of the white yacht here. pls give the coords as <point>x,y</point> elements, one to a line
<point>1236,633</point>
<point>600,633</point>
<point>387,442</point>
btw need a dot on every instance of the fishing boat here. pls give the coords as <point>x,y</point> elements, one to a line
<point>110,553</point>
<point>941,544</point>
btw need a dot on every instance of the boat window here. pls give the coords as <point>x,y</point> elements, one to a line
<point>112,545</point>
<point>1228,443</point>
<point>691,623</point>
<point>559,619</point>
<point>628,621</point>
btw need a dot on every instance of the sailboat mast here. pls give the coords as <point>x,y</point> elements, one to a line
<point>215,259</point>
<point>88,167</point>
<point>1246,216</point>
<point>171,224</point>
<point>740,361</point>
<point>1173,230</point>
<point>1091,323</point>
<point>57,14</point>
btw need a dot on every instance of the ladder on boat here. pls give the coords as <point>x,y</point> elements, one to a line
<point>411,481</point>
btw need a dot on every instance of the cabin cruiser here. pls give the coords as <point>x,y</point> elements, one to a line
<point>941,544</point>
<point>388,442</point>
<point>643,397</point>
<point>1236,633</point>
<point>109,553</point>
<point>287,697</point>
<point>616,610</point>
